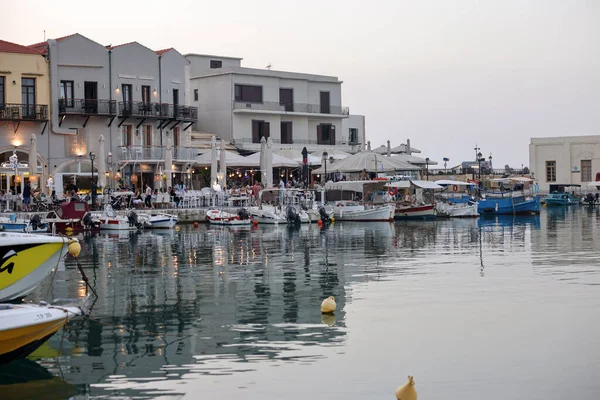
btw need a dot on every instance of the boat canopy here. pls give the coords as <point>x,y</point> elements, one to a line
<point>349,186</point>
<point>419,184</point>
<point>447,182</point>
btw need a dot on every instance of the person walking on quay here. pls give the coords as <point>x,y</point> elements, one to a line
<point>26,196</point>
<point>148,199</point>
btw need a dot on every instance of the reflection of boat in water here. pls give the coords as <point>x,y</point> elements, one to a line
<point>25,327</point>
<point>26,260</point>
<point>509,220</point>
<point>26,379</point>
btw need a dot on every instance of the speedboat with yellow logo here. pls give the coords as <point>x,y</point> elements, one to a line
<point>25,260</point>
<point>25,327</point>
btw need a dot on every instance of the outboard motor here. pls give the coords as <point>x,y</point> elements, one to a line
<point>323,214</point>
<point>36,222</point>
<point>292,215</point>
<point>243,214</point>
<point>87,220</point>
<point>133,220</point>
<point>590,198</point>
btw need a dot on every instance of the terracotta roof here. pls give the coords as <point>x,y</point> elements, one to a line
<point>9,47</point>
<point>163,51</point>
<point>109,47</point>
<point>42,46</point>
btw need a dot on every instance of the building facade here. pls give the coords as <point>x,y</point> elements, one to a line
<point>128,99</point>
<point>565,160</point>
<point>24,111</point>
<point>242,105</point>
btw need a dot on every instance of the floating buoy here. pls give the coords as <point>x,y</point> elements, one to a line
<point>176,228</point>
<point>407,391</point>
<point>328,305</point>
<point>74,248</point>
<point>196,224</point>
<point>68,229</point>
<point>320,223</point>
<point>332,219</point>
<point>255,222</point>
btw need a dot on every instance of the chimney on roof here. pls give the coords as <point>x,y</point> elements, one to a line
<point>408,150</point>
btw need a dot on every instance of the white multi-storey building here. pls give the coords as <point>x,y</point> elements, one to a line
<point>565,160</point>
<point>296,110</point>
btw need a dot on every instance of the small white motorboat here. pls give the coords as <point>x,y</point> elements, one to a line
<point>26,259</point>
<point>162,221</point>
<point>220,217</point>
<point>266,216</point>
<point>345,210</point>
<point>457,210</point>
<point>25,327</point>
<point>13,224</point>
<point>109,220</point>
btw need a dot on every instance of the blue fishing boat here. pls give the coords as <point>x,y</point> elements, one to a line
<point>561,199</point>
<point>509,205</point>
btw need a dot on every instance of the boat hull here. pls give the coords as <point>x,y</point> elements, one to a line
<point>510,205</point>
<point>416,212</point>
<point>24,265</point>
<point>26,327</point>
<point>368,215</point>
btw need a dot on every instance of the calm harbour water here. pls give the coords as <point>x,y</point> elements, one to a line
<point>496,308</point>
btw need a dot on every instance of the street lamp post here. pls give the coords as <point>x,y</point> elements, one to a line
<point>92,158</point>
<point>479,164</point>
<point>477,156</point>
<point>325,164</point>
<point>427,167</point>
<point>491,168</point>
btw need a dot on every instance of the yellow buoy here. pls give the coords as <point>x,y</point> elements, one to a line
<point>74,248</point>
<point>407,391</point>
<point>176,228</point>
<point>332,219</point>
<point>328,305</point>
<point>68,229</point>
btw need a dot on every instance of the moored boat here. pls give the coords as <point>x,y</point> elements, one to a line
<point>456,210</point>
<point>74,215</point>
<point>26,259</point>
<point>220,217</point>
<point>414,211</point>
<point>25,327</point>
<point>561,199</point>
<point>162,221</point>
<point>266,216</point>
<point>346,210</point>
<point>109,220</point>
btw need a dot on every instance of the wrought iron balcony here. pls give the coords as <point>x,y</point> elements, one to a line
<point>186,113</point>
<point>304,142</point>
<point>23,112</point>
<point>142,109</point>
<point>87,107</point>
<point>292,107</point>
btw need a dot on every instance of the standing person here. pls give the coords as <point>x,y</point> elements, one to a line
<point>148,199</point>
<point>26,196</point>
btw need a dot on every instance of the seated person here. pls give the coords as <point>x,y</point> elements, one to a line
<point>137,200</point>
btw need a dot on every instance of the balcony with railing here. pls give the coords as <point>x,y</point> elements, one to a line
<point>140,109</point>
<point>156,153</point>
<point>87,107</point>
<point>23,112</point>
<point>291,108</point>
<point>185,113</point>
<point>302,142</point>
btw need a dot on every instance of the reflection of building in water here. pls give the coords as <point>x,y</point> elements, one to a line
<point>238,292</point>
<point>564,244</point>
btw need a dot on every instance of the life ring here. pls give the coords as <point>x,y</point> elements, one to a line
<point>455,188</point>
<point>393,191</point>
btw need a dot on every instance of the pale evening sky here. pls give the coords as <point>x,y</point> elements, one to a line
<point>445,74</point>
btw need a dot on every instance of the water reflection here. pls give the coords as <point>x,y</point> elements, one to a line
<point>216,301</point>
